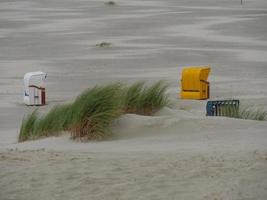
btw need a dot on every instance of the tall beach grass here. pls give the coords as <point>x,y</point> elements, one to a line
<point>252,113</point>
<point>110,3</point>
<point>244,112</point>
<point>145,100</point>
<point>27,126</point>
<point>91,114</point>
<point>94,110</point>
<point>34,126</point>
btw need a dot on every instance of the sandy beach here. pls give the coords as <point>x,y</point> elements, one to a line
<point>177,154</point>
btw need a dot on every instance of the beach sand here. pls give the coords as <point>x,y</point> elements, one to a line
<point>177,154</point>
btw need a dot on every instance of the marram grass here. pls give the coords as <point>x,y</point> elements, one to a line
<point>91,114</point>
<point>27,125</point>
<point>103,44</point>
<point>145,100</point>
<point>110,3</point>
<point>34,126</point>
<point>95,109</point>
<point>252,113</point>
<point>244,112</point>
<point>53,122</point>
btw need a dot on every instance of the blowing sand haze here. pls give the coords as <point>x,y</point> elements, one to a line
<point>176,153</point>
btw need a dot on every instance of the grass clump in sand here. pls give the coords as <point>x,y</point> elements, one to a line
<point>110,3</point>
<point>244,112</point>
<point>88,116</point>
<point>103,44</point>
<point>145,100</point>
<point>27,125</point>
<point>34,126</point>
<point>55,121</point>
<point>91,114</point>
<point>94,110</point>
<point>252,113</point>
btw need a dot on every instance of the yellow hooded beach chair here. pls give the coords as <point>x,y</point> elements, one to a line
<point>194,84</point>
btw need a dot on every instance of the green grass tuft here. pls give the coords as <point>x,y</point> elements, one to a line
<point>243,112</point>
<point>91,114</point>
<point>252,113</point>
<point>132,97</point>
<point>110,3</point>
<point>95,109</point>
<point>103,44</point>
<point>53,123</point>
<point>27,125</point>
<point>145,100</point>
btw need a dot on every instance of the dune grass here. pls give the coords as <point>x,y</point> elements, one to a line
<point>52,123</point>
<point>90,115</point>
<point>110,3</point>
<point>34,126</point>
<point>94,110</point>
<point>103,44</point>
<point>252,113</point>
<point>132,97</point>
<point>145,100</point>
<point>244,112</point>
<point>27,125</point>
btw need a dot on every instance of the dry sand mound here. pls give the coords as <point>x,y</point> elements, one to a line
<point>132,125</point>
<point>176,154</point>
<point>171,129</point>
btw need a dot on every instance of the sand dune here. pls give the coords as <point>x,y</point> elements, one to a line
<point>172,155</point>
<point>177,154</point>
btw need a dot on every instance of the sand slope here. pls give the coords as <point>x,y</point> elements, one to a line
<point>173,175</point>
<point>174,155</point>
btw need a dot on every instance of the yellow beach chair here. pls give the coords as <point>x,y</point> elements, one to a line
<point>194,84</point>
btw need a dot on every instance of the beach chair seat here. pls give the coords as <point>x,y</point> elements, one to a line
<point>194,84</point>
